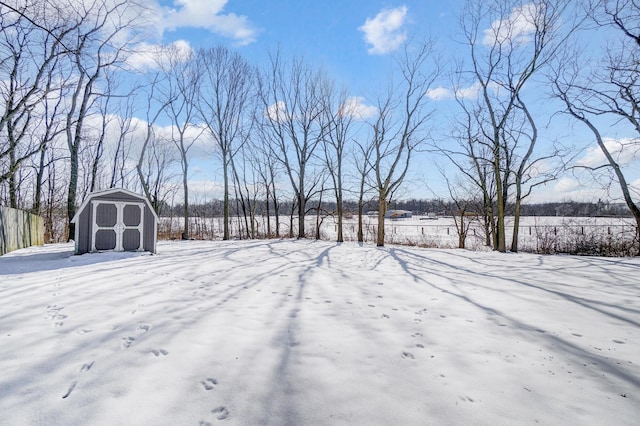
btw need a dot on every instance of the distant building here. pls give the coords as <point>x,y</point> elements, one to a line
<point>398,214</point>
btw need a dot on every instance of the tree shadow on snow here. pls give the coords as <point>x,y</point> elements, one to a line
<point>422,267</point>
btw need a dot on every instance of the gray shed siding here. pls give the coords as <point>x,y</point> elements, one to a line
<point>123,220</point>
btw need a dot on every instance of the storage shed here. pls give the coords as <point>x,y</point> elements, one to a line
<point>117,220</point>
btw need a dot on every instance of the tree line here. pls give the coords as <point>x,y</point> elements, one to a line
<point>87,104</point>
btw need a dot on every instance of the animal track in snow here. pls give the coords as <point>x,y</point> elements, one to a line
<point>143,328</point>
<point>53,313</point>
<point>71,388</point>
<point>222,412</point>
<point>209,383</point>
<point>84,331</point>
<point>127,341</point>
<point>87,366</point>
<point>407,355</point>
<point>158,352</point>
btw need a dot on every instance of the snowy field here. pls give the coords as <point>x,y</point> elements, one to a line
<point>536,234</point>
<point>289,332</point>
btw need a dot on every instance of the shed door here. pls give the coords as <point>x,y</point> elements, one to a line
<point>117,226</point>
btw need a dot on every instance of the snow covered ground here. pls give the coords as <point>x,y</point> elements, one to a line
<point>289,332</point>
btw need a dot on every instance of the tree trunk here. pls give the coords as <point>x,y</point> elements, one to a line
<point>382,210</point>
<point>301,205</point>
<point>499,231</point>
<point>360,224</point>
<point>340,209</point>
<point>225,167</point>
<point>71,193</point>
<point>516,217</point>
<point>185,186</point>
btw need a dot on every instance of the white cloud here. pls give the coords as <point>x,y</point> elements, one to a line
<point>518,27</point>
<point>384,32</point>
<point>566,184</point>
<point>355,107</point>
<point>150,56</point>
<point>208,14</point>
<point>440,94</point>
<point>277,112</point>
<point>470,92</point>
<point>624,151</point>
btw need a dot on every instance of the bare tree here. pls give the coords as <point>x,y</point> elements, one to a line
<point>290,95</point>
<point>180,95</point>
<point>267,168</point>
<point>153,159</point>
<point>98,45</point>
<point>364,166</point>
<point>224,97</point>
<point>29,57</point>
<point>519,40</point>
<point>399,128</point>
<point>610,89</point>
<point>340,112</point>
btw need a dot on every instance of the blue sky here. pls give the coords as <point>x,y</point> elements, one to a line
<point>354,41</point>
<point>330,32</point>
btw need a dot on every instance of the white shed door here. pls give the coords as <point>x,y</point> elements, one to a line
<point>117,226</point>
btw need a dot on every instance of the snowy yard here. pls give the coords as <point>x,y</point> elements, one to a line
<point>315,333</point>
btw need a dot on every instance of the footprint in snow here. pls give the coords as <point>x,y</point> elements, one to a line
<point>209,383</point>
<point>143,328</point>
<point>87,366</point>
<point>158,352</point>
<point>222,412</point>
<point>407,355</point>
<point>126,342</point>
<point>71,388</point>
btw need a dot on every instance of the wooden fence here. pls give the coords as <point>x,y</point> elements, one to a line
<point>19,229</point>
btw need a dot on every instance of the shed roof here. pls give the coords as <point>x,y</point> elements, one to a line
<point>93,195</point>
